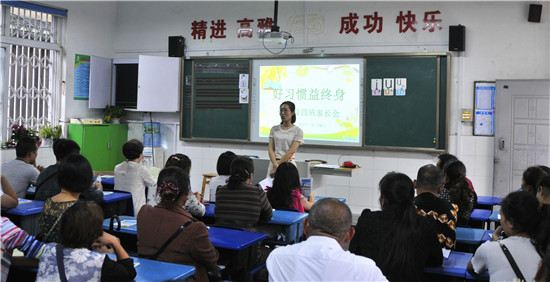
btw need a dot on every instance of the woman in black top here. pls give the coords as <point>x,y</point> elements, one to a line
<point>399,240</point>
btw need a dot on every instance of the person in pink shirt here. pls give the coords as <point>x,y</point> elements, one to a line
<point>286,190</point>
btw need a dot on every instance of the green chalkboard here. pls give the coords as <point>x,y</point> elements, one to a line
<point>211,100</point>
<point>415,120</point>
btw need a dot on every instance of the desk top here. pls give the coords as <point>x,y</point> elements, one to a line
<point>220,237</point>
<point>279,216</point>
<point>455,266</point>
<point>153,270</point>
<point>472,236</point>
<point>481,215</point>
<point>32,207</point>
<point>116,196</point>
<point>233,239</point>
<point>484,200</point>
<point>286,217</point>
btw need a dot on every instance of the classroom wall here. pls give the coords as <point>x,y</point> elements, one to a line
<point>500,44</point>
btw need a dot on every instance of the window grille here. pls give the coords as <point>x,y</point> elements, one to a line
<point>33,68</point>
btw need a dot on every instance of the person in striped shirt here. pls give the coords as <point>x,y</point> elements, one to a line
<point>14,237</point>
<point>239,203</point>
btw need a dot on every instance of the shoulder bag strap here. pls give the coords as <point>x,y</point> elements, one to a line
<point>161,249</point>
<point>60,264</point>
<point>56,222</point>
<point>512,261</point>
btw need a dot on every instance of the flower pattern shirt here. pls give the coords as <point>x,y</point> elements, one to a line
<point>80,264</point>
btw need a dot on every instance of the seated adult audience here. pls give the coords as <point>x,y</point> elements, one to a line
<point>239,203</point>
<point>399,240</point>
<point>47,185</point>
<point>7,194</point>
<point>74,176</point>
<point>223,168</point>
<point>286,190</point>
<point>155,225</point>
<point>458,191</point>
<point>519,218</point>
<point>321,257</point>
<point>15,238</point>
<point>81,228</point>
<point>23,171</point>
<point>131,176</point>
<point>530,178</point>
<point>444,158</point>
<point>443,214</point>
<point>194,200</point>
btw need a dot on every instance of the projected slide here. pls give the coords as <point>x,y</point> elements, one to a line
<point>327,94</point>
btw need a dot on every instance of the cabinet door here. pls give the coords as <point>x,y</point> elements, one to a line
<point>159,84</point>
<point>95,146</point>
<point>100,82</point>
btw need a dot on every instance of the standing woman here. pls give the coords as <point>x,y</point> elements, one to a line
<point>284,138</point>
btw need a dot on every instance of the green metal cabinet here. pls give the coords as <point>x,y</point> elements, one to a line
<point>101,144</point>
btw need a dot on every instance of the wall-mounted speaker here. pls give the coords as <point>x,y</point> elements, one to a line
<point>535,10</point>
<point>457,38</point>
<point>176,46</point>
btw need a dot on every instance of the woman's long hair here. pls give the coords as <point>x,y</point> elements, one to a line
<point>287,179</point>
<point>400,253</point>
<point>241,169</point>
<point>458,186</point>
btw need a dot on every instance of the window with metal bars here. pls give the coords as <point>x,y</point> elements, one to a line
<point>31,43</point>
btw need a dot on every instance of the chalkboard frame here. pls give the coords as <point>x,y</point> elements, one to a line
<point>442,102</point>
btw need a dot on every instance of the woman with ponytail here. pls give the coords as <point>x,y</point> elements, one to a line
<point>399,240</point>
<point>155,225</point>
<point>239,203</point>
<point>457,190</point>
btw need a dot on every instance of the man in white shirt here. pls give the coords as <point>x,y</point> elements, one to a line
<point>321,257</point>
<point>23,171</point>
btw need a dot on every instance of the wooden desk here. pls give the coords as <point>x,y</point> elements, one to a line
<point>153,270</point>
<point>455,266</point>
<point>26,216</point>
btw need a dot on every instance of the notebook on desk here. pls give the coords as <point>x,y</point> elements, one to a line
<point>24,201</point>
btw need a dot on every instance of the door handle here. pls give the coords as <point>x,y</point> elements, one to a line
<point>109,145</point>
<point>501,144</point>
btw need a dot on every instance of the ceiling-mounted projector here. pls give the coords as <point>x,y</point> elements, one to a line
<point>277,37</point>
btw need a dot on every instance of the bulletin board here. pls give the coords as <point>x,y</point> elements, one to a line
<point>484,108</point>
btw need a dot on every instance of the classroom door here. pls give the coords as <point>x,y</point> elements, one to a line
<point>522,127</point>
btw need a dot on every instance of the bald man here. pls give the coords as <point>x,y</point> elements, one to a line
<point>321,256</point>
